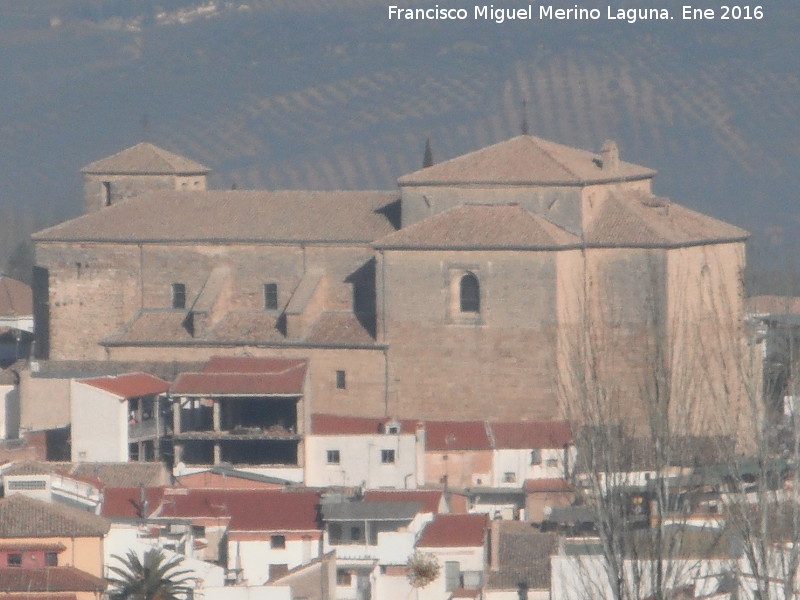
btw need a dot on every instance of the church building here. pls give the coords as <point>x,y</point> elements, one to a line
<point>500,284</point>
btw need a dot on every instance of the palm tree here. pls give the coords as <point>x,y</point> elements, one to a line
<point>153,577</point>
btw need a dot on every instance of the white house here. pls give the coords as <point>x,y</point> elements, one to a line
<point>530,450</point>
<point>461,547</point>
<point>365,452</point>
<point>116,418</point>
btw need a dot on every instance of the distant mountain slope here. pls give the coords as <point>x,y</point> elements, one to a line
<point>331,94</point>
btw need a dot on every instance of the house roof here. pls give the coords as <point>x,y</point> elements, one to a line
<point>126,502</point>
<point>451,531</point>
<point>638,220</point>
<point>370,511</point>
<point>480,226</point>
<point>130,474</point>
<point>22,516</point>
<point>225,477</point>
<point>240,384</point>
<point>323,424</point>
<point>49,579</point>
<point>244,376</point>
<point>131,385</point>
<point>456,435</point>
<point>525,160</point>
<point>428,500</point>
<point>523,557</point>
<point>251,364</point>
<point>547,484</point>
<point>353,217</point>
<point>145,159</point>
<point>16,298</point>
<point>531,434</point>
<point>248,510</point>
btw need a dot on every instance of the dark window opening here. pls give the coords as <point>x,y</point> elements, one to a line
<point>277,541</point>
<point>14,560</point>
<point>271,296</point>
<point>341,380</point>
<point>178,295</point>
<point>106,193</point>
<point>334,457</point>
<point>387,457</point>
<point>254,415</point>
<point>51,559</point>
<point>470,294</point>
<point>344,577</point>
<point>536,457</point>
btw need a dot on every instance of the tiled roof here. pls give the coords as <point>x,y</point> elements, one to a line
<point>163,326</point>
<point>36,467</point>
<point>456,435</point>
<point>525,160</point>
<point>131,385</point>
<point>288,382</point>
<point>49,579</point>
<point>637,220</point>
<point>428,500</point>
<point>126,503</point>
<point>773,305</point>
<point>531,434</point>
<point>547,484</point>
<point>130,474</point>
<point>127,474</point>
<point>145,159</point>
<point>454,531</point>
<point>339,425</point>
<point>249,510</point>
<point>16,298</point>
<point>481,226</point>
<point>251,364</point>
<point>21,516</point>
<point>523,557</point>
<point>370,511</point>
<point>339,328</point>
<point>218,216</point>
<point>228,477</point>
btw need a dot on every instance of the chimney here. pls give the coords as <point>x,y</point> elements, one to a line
<point>494,545</point>
<point>610,156</point>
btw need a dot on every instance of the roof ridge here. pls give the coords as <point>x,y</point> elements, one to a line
<point>536,142</point>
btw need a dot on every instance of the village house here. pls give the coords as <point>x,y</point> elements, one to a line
<point>118,418</point>
<point>466,292</point>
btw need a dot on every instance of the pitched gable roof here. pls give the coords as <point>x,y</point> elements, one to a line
<point>525,160</point>
<point>638,220</point>
<point>452,531</point>
<point>248,509</point>
<point>235,215</point>
<point>126,502</point>
<point>16,298</point>
<point>531,434</point>
<point>325,424</point>
<point>21,516</point>
<point>481,226</point>
<point>49,579</point>
<point>456,435</point>
<point>145,159</point>
<point>130,385</point>
<point>259,377</point>
<point>523,556</point>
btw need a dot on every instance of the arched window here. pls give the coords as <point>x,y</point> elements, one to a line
<point>470,294</point>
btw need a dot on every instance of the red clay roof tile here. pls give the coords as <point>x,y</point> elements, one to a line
<point>130,385</point>
<point>453,531</point>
